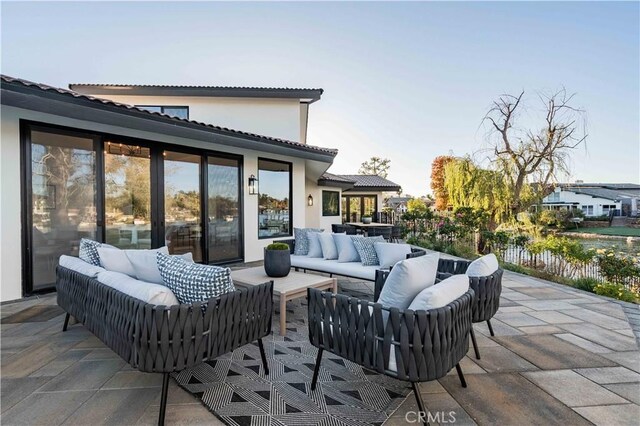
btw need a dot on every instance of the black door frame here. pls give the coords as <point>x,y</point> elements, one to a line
<point>347,209</point>
<point>156,181</point>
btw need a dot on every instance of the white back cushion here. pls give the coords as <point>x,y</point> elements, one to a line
<point>79,265</point>
<point>329,249</point>
<point>408,278</point>
<point>391,253</point>
<point>315,249</point>
<point>346,249</point>
<point>147,292</point>
<point>483,266</point>
<point>145,263</point>
<point>441,294</point>
<point>116,260</point>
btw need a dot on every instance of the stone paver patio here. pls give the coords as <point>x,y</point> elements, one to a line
<point>560,356</point>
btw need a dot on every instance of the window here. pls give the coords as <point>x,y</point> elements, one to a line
<point>587,210</point>
<point>174,111</point>
<point>330,203</point>
<point>607,208</point>
<point>356,206</point>
<point>274,198</point>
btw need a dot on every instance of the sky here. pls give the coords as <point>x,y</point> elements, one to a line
<point>404,81</point>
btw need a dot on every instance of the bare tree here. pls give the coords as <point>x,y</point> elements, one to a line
<point>532,160</point>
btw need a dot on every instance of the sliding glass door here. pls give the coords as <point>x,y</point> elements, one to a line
<point>127,178</point>
<point>223,205</point>
<point>182,204</point>
<point>128,193</point>
<point>356,206</point>
<point>62,200</point>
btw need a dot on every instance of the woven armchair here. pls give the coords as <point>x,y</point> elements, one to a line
<point>423,345</point>
<point>161,339</point>
<point>487,291</point>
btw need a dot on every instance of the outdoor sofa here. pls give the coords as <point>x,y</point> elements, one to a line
<point>333,267</point>
<point>163,339</point>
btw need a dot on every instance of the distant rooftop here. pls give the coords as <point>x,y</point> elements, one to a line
<point>609,191</point>
<point>303,94</point>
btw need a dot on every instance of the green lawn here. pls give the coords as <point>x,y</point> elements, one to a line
<point>616,230</point>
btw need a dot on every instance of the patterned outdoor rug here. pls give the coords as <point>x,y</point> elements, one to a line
<point>236,390</point>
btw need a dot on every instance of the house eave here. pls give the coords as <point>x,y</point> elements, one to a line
<point>80,108</point>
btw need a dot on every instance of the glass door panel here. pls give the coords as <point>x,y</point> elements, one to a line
<point>63,202</point>
<point>127,195</point>
<point>355,213</point>
<point>345,210</point>
<point>224,209</point>
<point>369,207</point>
<point>182,204</point>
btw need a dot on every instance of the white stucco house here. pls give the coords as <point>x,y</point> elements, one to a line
<point>217,171</point>
<point>595,199</point>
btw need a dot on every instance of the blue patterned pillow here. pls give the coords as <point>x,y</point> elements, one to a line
<point>367,250</point>
<point>302,240</point>
<point>89,251</point>
<point>192,282</point>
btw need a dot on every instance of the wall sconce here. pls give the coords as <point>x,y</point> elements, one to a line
<point>253,185</point>
<point>309,200</point>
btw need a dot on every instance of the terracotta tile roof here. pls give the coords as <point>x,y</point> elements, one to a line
<point>71,94</point>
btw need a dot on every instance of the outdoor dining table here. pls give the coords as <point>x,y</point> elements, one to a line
<point>366,226</point>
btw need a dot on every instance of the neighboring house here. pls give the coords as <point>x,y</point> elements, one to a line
<point>595,199</point>
<point>361,195</point>
<point>217,171</point>
<point>398,204</point>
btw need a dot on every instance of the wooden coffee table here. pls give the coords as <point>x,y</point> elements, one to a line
<point>291,287</point>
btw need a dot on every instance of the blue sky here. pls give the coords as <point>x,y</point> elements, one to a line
<point>406,81</point>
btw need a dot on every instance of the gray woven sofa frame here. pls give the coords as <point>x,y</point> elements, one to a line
<point>487,291</point>
<point>292,245</point>
<point>161,339</point>
<point>427,344</point>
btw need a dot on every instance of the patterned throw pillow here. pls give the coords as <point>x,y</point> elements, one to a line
<point>366,249</point>
<point>89,251</point>
<point>302,240</point>
<point>192,282</point>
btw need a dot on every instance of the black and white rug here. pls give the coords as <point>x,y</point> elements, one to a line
<point>235,388</point>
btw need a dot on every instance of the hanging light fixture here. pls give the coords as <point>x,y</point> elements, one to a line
<point>253,185</point>
<point>309,200</point>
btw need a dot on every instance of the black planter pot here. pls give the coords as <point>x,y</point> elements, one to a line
<point>277,263</point>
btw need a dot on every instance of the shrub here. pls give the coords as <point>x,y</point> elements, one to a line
<point>586,284</point>
<point>618,267</point>
<point>278,246</point>
<point>616,291</point>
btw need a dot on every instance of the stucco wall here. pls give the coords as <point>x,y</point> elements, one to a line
<point>10,237</point>
<point>280,118</point>
<point>314,218</point>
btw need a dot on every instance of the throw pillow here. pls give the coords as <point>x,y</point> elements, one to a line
<point>346,250</point>
<point>89,251</point>
<point>408,278</point>
<point>483,266</point>
<point>145,264</point>
<point>328,245</point>
<point>391,253</point>
<point>302,240</point>
<point>192,282</point>
<point>315,249</point>
<point>440,295</point>
<point>366,249</point>
<point>116,260</point>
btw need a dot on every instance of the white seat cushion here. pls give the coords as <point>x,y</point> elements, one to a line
<point>350,269</point>
<point>408,278</point>
<point>79,265</point>
<point>155,294</point>
<point>483,266</point>
<point>391,253</point>
<point>441,294</point>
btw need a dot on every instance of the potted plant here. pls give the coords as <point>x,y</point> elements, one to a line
<point>277,260</point>
<point>366,219</point>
